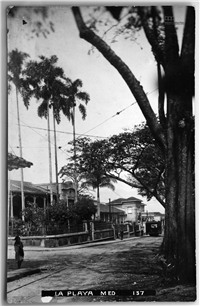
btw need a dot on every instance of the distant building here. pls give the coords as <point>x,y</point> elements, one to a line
<point>131,207</point>
<point>152,216</point>
<point>111,214</point>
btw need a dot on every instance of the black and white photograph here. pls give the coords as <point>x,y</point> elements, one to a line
<point>101,153</point>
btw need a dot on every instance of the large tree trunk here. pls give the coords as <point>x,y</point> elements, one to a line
<point>176,141</point>
<point>180,209</point>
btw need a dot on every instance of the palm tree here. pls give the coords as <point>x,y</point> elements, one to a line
<point>15,65</point>
<point>48,83</point>
<point>76,96</point>
<point>97,180</point>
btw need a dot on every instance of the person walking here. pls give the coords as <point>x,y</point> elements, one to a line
<point>19,251</point>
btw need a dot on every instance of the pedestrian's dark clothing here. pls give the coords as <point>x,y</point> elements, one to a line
<point>19,251</point>
<point>121,234</point>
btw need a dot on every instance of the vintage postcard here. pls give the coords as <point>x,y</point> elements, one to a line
<point>100,162</point>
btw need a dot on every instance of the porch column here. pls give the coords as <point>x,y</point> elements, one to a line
<point>44,203</point>
<point>92,229</point>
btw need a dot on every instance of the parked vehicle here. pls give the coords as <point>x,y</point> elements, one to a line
<point>153,228</point>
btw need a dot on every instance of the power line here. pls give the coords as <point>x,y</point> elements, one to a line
<point>11,148</point>
<point>41,135</point>
<point>63,132</point>
<point>116,114</point>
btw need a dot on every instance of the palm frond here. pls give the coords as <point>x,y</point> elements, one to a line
<point>83,96</point>
<point>82,111</point>
<point>42,109</point>
<point>77,83</point>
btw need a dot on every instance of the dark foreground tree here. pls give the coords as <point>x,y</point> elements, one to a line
<point>174,131</point>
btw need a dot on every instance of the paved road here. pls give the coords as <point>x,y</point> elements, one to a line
<point>89,267</point>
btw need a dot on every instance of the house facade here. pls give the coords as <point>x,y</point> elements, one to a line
<point>66,190</point>
<point>111,214</point>
<point>37,194</point>
<point>32,193</point>
<point>131,207</point>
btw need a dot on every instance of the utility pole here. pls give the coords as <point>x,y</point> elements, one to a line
<point>56,159</point>
<point>50,163</point>
<point>74,143</point>
<point>20,148</point>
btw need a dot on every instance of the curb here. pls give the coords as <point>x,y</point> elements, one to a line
<point>14,275</point>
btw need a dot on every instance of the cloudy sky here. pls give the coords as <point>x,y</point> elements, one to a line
<point>108,92</point>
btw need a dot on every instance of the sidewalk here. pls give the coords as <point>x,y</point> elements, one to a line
<point>20,273</point>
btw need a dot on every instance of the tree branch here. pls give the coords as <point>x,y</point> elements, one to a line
<point>126,74</point>
<point>171,40</point>
<point>150,35</point>
<point>188,48</point>
<point>149,190</point>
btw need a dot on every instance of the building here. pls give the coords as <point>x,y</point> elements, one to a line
<point>152,216</point>
<point>132,207</point>
<point>111,213</point>
<point>32,193</point>
<point>66,190</point>
<point>38,194</point>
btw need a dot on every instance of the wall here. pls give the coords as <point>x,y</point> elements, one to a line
<point>64,239</point>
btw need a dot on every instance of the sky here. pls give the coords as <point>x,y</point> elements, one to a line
<point>108,93</point>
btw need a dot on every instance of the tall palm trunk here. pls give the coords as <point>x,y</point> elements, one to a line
<point>56,159</point>
<point>74,143</point>
<point>98,203</point>
<point>49,146</point>
<point>20,148</point>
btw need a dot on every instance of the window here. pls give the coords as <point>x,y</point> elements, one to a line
<point>129,210</point>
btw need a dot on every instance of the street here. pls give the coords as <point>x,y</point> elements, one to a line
<point>127,264</point>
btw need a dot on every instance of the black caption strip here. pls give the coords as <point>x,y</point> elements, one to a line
<point>61,293</point>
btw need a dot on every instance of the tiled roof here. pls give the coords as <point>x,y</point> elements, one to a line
<point>15,186</point>
<point>64,186</point>
<point>105,208</point>
<point>120,200</point>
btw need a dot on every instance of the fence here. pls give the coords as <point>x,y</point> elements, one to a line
<point>84,233</point>
<point>93,231</point>
<point>45,230</point>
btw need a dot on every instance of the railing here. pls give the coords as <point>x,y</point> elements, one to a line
<point>45,230</point>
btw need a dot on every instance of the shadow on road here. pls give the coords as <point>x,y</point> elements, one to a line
<point>12,264</point>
